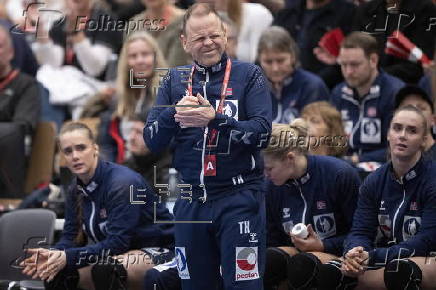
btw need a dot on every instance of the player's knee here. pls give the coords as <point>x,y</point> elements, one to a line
<point>302,270</point>
<point>402,274</point>
<point>330,276</point>
<point>275,267</point>
<point>109,276</point>
<point>64,280</point>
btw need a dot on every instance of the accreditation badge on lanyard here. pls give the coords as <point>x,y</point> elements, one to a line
<point>8,79</point>
<point>210,159</point>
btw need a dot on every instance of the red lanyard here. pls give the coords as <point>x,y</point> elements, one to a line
<point>8,79</point>
<point>214,132</point>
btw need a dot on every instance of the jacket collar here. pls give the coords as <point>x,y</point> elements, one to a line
<point>214,68</point>
<point>374,90</point>
<point>413,172</point>
<point>88,189</point>
<point>307,175</point>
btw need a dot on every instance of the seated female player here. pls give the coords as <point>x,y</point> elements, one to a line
<point>394,227</point>
<point>319,191</point>
<point>114,207</point>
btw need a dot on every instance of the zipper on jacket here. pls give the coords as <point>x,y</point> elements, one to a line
<point>394,239</point>
<point>203,151</point>
<point>91,219</point>
<point>303,217</point>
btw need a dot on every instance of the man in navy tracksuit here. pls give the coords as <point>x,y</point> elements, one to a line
<point>365,99</point>
<point>217,155</point>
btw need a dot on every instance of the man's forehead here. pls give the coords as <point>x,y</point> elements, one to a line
<point>202,23</point>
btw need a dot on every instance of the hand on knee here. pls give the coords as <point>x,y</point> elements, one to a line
<point>402,274</point>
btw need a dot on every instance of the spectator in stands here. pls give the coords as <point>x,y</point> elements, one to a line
<point>394,225</point>
<point>163,20</point>
<point>251,19</point>
<point>141,159</point>
<point>413,18</point>
<point>112,206</point>
<point>365,99</point>
<point>20,100</point>
<point>81,39</point>
<point>325,126</point>
<point>318,191</point>
<point>232,36</point>
<point>307,21</point>
<point>136,87</point>
<point>291,87</point>
<point>417,97</point>
<point>23,55</point>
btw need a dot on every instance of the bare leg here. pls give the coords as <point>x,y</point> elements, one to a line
<point>85,281</point>
<point>371,279</point>
<point>136,263</point>
<point>428,268</point>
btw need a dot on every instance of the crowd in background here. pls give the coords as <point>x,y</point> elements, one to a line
<point>105,60</point>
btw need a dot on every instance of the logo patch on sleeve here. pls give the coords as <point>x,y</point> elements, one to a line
<point>246,263</point>
<point>182,264</point>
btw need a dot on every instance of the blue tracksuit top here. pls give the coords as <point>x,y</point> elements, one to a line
<point>114,215</point>
<point>301,89</point>
<point>396,218</point>
<point>243,127</point>
<point>325,196</point>
<point>366,120</point>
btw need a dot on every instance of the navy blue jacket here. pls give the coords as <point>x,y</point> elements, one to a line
<point>116,216</point>
<point>243,127</point>
<point>394,218</point>
<point>366,120</point>
<point>301,89</point>
<point>325,196</point>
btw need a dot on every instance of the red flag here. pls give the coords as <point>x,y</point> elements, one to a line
<point>400,46</point>
<point>331,41</point>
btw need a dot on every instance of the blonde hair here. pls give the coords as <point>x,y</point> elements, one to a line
<point>287,138</point>
<point>333,119</point>
<point>127,95</point>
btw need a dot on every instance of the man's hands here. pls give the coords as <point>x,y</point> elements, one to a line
<point>194,116</point>
<point>310,244</point>
<point>355,262</point>
<point>44,263</point>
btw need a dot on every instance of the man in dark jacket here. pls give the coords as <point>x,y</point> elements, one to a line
<point>217,153</point>
<point>307,21</point>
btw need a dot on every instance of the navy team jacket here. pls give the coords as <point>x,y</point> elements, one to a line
<point>396,218</point>
<point>301,89</point>
<point>325,196</point>
<point>243,127</point>
<point>117,216</point>
<point>366,120</point>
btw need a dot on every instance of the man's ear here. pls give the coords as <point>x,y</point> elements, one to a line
<point>97,152</point>
<point>184,42</point>
<point>373,58</point>
<point>290,156</point>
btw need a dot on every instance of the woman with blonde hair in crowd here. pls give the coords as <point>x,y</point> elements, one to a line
<point>136,88</point>
<point>325,126</point>
<point>319,192</point>
<point>250,19</point>
<point>163,20</point>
